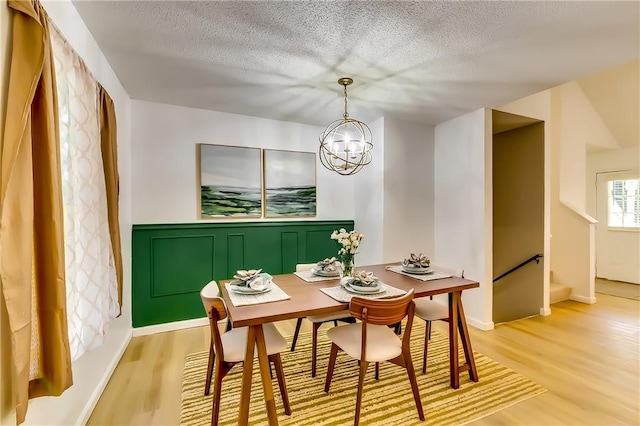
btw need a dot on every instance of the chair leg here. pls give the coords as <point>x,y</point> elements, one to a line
<point>335,323</point>
<point>363,371</point>
<point>414,384</point>
<point>427,336</point>
<point>221,370</point>
<point>277,361</point>
<point>295,334</point>
<point>314,347</point>
<point>212,359</point>
<point>332,363</point>
<point>377,371</point>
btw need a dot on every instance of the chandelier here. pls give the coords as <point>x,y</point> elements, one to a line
<point>345,145</point>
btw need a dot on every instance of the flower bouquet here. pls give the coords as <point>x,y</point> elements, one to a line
<point>348,243</point>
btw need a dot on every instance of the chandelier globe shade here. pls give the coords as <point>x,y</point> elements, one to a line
<point>345,145</point>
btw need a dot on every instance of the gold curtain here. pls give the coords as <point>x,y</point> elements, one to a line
<point>109,147</point>
<point>31,221</point>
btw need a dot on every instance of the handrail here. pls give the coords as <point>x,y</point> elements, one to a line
<point>535,257</point>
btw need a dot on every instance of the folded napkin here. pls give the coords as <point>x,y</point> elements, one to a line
<point>253,278</point>
<point>328,265</point>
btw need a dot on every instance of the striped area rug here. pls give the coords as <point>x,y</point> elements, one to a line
<point>386,402</point>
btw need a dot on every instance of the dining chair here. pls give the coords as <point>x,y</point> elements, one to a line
<point>431,310</point>
<point>317,321</point>
<point>227,349</point>
<point>371,340</point>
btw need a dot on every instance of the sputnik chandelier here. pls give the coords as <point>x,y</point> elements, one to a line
<point>345,145</point>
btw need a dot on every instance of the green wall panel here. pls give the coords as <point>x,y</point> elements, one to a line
<point>166,252</point>
<point>172,262</point>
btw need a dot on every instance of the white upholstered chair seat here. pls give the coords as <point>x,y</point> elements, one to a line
<point>430,310</point>
<point>235,342</point>
<point>382,343</point>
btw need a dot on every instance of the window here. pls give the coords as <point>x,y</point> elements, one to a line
<point>623,203</point>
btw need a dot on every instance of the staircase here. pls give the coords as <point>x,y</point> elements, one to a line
<point>557,292</point>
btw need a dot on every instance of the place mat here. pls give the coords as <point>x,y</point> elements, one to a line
<point>276,294</point>
<point>386,402</point>
<point>310,277</point>
<point>342,295</point>
<point>424,277</point>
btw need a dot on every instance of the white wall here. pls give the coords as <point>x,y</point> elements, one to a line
<point>164,153</point>
<point>463,207</point>
<point>92,370</point>
<point>369,199</point>
<point>408,189</point>
<point>608,161</point>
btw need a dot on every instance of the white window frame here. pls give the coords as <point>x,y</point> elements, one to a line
<point>622,176</point>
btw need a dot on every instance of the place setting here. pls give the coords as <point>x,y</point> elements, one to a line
<point>418,266</point>
<point>253,286</point>
<point>324,270</point>
<point>363,284</point>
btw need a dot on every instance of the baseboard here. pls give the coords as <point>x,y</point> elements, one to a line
<point>91,373</point>
<point>583,299</point>
<point>170,326</point>
<point>484,326</point>
<point>97,392</point>
<point>545,311</point>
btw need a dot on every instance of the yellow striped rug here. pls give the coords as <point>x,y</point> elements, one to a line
<point>386,402</point>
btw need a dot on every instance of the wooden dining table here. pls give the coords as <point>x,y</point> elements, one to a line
<point>306,299</point>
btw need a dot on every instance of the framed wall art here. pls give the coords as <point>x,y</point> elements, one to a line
<point>290,183</point>
<point>229,182</point>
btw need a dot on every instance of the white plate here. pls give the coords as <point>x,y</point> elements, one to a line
<point>322,273</point>
<point>418,271</point>
<point>350,289</point>
<point>248,290</point>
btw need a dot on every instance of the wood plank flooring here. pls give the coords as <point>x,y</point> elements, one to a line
<point>587,356</point>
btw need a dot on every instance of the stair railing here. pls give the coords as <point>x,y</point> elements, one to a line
<point>535,257</point>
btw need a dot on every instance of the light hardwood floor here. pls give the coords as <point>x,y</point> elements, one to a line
<point>587,356</point>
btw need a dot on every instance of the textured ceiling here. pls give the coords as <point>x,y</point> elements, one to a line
<point>425,61</point>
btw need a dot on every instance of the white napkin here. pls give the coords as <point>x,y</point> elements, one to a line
<point>260,282</point>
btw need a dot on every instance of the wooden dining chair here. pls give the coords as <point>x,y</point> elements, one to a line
<point>431,310</point>
<point>317,321</point>
<point>371,340</point>
<point>228,349</point>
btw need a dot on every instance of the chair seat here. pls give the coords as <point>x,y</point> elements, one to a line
<point>382,343</point>
<point>430,310</point>
<point>234,342</point>
<point>329,316</point>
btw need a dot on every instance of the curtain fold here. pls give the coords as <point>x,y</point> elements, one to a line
<point>109,147</point>
<point>92,290</point>
<point>31,221</point>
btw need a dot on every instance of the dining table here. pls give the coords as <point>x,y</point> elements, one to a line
<point>306,299</point>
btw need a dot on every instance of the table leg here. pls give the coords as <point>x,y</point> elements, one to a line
<point>267,386</point>
<point>453,341</point>
<point>247,373</point>
<point>466,340</point>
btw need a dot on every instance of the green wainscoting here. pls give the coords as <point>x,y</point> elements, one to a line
<point>172,262</point>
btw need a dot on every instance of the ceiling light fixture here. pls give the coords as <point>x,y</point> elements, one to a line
<point>345,145</point>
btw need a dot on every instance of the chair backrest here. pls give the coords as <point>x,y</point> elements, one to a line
<point>384,312</point>
<point>216,311</point>
<point>381,311</point>
<point>212,302</point>
<point>301,267</point>
<point>456,272</point>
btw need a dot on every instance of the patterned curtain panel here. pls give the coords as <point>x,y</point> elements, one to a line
<point>92,291</point>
